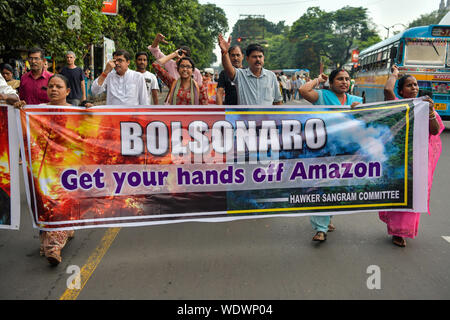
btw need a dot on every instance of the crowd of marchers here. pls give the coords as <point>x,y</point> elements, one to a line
<point>236,85</point>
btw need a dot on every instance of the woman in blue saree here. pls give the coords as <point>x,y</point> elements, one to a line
<point>336,95</point>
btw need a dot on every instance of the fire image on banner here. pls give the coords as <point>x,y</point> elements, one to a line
<point>5,177</point>
<point>9,170</point>
<point>107,166</point>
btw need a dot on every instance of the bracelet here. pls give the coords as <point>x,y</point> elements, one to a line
<point>104,75</point>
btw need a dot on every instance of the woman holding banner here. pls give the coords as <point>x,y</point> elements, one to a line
<point>400,224</point>
<point>185,90</point>
<point>52,242</point>
<point>337,95</point>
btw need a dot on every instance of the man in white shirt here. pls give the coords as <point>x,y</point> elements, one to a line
<point>150,79</point>
<point>284,85</point>
<point>7,93</point>
<point>122,85</point>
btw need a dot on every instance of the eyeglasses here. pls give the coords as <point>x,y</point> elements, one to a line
<point>34,58</point>
<point>120,60</point>
<point>183,66</point>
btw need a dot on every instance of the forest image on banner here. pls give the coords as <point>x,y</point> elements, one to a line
<point>108,166</point>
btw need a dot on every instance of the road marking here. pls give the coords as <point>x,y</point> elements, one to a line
<point>92,263</point>
<point>446,238</point>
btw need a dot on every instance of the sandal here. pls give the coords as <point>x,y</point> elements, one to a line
<point>320,236</point>
<point>399,241</point>
<point>54,257</point>
<point>331,227</point>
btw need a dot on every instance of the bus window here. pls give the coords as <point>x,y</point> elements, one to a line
<point>425,53</point>
<point>425,88</point>
<point>393,54</point>
<point>448,55</point>
<point>400,53</point>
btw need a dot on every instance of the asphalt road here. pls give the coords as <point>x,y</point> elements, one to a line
<point>271,258</point>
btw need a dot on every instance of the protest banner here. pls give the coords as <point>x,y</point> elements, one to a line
<point>114,166</point>
<point>9,170</point>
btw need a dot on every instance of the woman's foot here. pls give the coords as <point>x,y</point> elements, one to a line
<point>320,236</point>
<point>331,227</point>
<point>399,241</point>
<point>53,257</point>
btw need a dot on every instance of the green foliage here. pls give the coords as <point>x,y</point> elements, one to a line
<point>44,23</point>
<point>429,18</point>
<point>330,36</point>
<point>316,37</point>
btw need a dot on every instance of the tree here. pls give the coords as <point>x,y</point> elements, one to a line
<point>329,36</point>
<point>429,18</point>
<point>182,22</point>
<point>44,23</point>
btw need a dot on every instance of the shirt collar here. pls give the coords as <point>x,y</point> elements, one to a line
<point>249,73</point>
<point>44,75</point>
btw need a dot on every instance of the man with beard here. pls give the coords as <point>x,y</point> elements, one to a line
<point>150,78</point>
<point>33,84</point>
<point>122,85</point>
<point>255,85</point>
<point>225,85</point>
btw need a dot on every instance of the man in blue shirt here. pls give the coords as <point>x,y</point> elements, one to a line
<point>255,85</point>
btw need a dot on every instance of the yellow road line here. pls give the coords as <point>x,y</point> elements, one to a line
<point>92,263</point>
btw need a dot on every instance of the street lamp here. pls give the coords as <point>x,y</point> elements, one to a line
<point>389,28</point>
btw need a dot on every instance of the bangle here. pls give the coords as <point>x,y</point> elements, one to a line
<point>432,116</point>
<point>103,75</point>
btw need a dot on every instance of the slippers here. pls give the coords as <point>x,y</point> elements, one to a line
<point>320,236</point>
<point>399,241</point>
<point>331,227</point>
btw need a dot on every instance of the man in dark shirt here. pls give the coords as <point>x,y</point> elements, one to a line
<point>76,80</point>
<point>225,85</point>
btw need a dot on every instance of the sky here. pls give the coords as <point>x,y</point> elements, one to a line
<point>383,13</point>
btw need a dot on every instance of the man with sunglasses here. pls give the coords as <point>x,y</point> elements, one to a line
<point>122,85</point>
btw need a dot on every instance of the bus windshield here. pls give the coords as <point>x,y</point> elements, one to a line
<point>425,53</point>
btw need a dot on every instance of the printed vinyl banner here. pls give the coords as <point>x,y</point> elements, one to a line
<point>108,166</point>
<point>9,170</point>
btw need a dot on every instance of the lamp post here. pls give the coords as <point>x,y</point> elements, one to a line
<point>389,28</point>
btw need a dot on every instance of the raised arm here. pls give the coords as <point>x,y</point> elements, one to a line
<point>226,62</point>
<point>163,60</point>
<point>307,90</point>
<point>98,85</point>
<point>389,87</point>
<point>154,48</point>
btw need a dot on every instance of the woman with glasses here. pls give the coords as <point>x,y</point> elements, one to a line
<point>185,90</point>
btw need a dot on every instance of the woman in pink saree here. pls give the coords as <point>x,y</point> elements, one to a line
<point>401,224</point>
